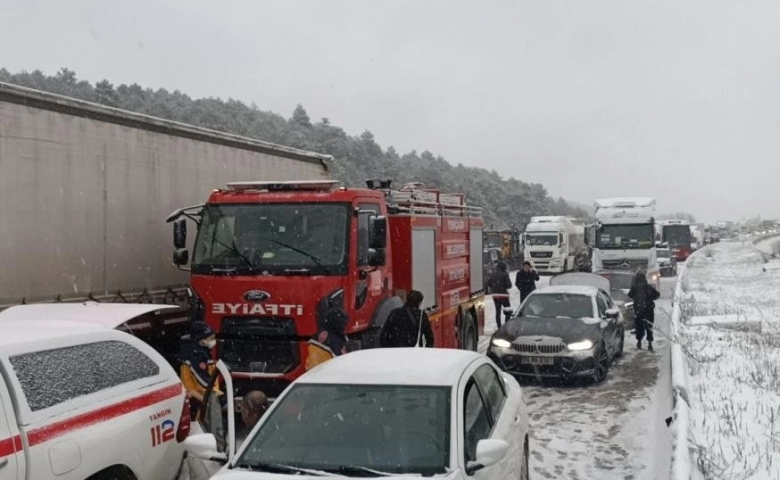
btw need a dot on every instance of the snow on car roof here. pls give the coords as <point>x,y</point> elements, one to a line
<point>571,289</point>
<point>106,315</point>
<point>17,332</point>
<point>394,366</point>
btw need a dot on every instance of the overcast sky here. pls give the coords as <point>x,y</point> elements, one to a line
<point>676,100</point>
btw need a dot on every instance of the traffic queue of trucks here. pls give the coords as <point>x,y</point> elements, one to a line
<point>271,258</point>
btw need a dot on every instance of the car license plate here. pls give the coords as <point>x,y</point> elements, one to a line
<point>538,360</point>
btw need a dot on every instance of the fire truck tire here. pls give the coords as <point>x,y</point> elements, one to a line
<point>469,336</point>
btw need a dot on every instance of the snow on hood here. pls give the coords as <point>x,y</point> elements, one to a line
<point>567,329</point>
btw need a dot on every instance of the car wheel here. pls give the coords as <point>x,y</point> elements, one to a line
<point>469,338</point>
<point>524,470</point>
<point>602,364</point>
<point>622,340</point>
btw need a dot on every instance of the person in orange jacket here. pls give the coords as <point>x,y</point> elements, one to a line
<point>198,366</point>
<point>330,341</point>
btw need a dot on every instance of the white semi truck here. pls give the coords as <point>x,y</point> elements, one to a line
<point>555,244</point>
<point>623,237</point>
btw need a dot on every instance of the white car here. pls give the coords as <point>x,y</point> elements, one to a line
<point>396,413</point>
<point>82,400</point>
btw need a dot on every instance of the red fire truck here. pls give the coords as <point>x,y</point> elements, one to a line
<point>272,259</point>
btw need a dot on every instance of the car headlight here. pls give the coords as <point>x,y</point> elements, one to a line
<point>583,345</point>
<point>501,343</point>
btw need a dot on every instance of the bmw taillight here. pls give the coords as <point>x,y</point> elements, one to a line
<point>184,422</point>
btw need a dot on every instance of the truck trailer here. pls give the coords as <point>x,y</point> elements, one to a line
<point>623,237</point>
<point>84,189</point>
<point>273,260</point>
<point>555,244</point>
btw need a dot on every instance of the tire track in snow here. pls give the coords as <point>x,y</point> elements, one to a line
<point>604,431</point>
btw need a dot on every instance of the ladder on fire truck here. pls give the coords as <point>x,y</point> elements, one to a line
<point>415,199</point>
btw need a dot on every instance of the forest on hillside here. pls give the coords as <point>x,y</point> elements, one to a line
<point>506,202</point>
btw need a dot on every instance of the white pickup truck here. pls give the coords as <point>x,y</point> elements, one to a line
<point>81,400</point>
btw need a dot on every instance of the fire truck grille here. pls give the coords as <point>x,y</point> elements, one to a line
<point>541,254</point>
<point>544,348</point>
<point>259,345</point>
<point>625,264</point>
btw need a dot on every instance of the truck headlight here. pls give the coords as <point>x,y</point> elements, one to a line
<point>501,343</point>
<point>583,345</point>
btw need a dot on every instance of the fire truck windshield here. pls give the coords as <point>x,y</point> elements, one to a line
<point>284,238</point>
<point>625,236</point>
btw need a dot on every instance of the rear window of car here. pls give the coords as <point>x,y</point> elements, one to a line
<point>51,377</point>
<point>551,305</point>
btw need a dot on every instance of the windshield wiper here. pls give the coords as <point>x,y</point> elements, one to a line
<point>282,468</point>
<point>356,470</point>
<point>314,258</point>
<point>234,249</point>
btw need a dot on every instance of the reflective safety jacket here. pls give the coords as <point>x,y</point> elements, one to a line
<point>318,353</point>
<point>196,371</point>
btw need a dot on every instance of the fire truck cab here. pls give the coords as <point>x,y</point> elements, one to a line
<point>272,259</point>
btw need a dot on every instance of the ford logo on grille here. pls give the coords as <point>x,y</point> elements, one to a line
<point>256,296</point>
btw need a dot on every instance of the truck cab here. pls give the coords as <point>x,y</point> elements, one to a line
<point>273,260</point>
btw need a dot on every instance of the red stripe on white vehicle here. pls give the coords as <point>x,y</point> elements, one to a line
<point>87,419</point>
<point>10,446</point>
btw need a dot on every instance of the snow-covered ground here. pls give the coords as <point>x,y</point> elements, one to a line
<point>615,430</point>
<point>730,333</point>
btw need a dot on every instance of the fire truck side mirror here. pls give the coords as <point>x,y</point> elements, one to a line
<point>180,233</point>
<point>181,256</point>
<point>377,232</point>
<point>376,257</point>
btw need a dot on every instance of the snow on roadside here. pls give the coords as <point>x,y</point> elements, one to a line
<point>730,333</point>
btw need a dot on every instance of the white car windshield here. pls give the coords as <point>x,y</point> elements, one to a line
<point>662,253</point>
<point>346,429</point>
<point>552,305</point>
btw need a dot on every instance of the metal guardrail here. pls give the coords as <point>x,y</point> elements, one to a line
<point>682,464</point>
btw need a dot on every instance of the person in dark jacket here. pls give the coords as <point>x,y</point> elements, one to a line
<point>526,279</point>
<point>407,326</point>
<point>644,295</point>
<point>498,286</point>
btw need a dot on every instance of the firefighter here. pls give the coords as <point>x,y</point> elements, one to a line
<point>198,366</point>
<point>407,326</point>
<point>331,341</point>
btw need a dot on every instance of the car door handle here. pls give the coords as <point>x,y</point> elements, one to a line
<point>3,463</point>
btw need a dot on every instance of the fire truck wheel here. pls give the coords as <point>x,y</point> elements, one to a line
<point>469,338</point>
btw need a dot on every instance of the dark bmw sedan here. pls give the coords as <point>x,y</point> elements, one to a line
<point>563,331</point>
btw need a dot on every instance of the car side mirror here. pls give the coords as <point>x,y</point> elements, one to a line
<point>204,446</point>
<point>612,313</point>
<point>508,311</point>
<point>489,453</point>
<point>180,233</point>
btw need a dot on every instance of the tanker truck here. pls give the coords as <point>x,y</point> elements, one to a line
<point>555,244</point>
<point>84,189</point>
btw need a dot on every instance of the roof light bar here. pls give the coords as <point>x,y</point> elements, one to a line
<point>310,185</point>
